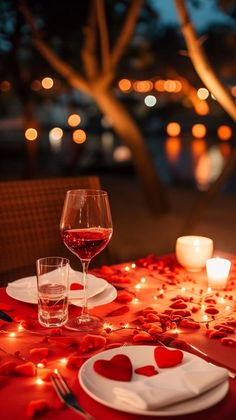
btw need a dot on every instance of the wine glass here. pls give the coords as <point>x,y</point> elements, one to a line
<point>86,228</point>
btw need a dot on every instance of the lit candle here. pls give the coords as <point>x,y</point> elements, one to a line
<point>193,251</point>
<point>217,272</point>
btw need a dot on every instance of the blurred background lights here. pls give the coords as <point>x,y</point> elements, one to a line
<point>55,133</point>
<point>47,82</point>
<point>124,85</point>
<point>36,85</point>
<point>5,86</point>
<point>31,134</point>
<point>150,100</point>
<point>224,132</point>
<point>203,93</point>
<point>121,154</point>
<point>173,129</point>
<point>74,120</point>
<point>173,149</point>
<point>79,136</point>
<point>143,86</point>
<point>159,85</point>
<point>199,130</point>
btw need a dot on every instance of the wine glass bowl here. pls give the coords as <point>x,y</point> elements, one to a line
<point>86,228</point>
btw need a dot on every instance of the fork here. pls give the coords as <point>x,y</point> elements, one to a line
<point>66,395</point>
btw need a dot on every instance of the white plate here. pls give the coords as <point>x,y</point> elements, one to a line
<point>107,296</point>
<point>101,389</point>
<point>25,289</point>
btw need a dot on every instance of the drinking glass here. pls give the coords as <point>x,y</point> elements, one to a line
<point>86,228</point>
<point>52,282</point>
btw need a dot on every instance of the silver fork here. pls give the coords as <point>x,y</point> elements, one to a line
<point>66,395</point>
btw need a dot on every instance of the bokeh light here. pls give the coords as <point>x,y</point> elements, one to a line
<point>224,132</point>
<point>203,93</point>
<point>36,85</point>
<point>173,148</point>
<point>173,129</point>
<point>47,82</point>
<point>150,100</point>
<point>159,85</point>
<point>124,85</point>
<point>199,130</point>
<point>31,134</point>
<point>122,154</point>
<point>143,86</point>
<point>74,120</point>
<point>79,136</point>
<point>55,133</point>
<point>5,86</point>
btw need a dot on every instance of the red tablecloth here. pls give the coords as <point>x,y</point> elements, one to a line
<point>153,281</point>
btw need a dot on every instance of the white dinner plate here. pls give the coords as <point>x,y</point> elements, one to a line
<point>101,389</point>
<point>25,289</point>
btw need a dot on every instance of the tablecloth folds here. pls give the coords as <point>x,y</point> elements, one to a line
<point>171,386</point>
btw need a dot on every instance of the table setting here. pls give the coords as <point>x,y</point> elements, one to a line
<point>154,337</point>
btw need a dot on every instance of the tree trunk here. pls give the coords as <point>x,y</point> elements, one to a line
<point>201,62</point>
<point>128,131</point>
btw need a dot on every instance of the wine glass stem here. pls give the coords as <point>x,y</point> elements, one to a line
<point>85,266</point>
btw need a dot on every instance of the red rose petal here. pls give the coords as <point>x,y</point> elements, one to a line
<point>39,351</point>
<point>37,407</point>
<point>7,368</point>
<point>119,368</point>
<point>26,369</point>
<point>92,342</point>
<point>142,336</point>
<point>166,358</point>
<point>75,362</point>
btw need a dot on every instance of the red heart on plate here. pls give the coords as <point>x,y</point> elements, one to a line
<point>119,368</point>
<point>166,358</point>
<point>76,286</point>
<point>148,370</point>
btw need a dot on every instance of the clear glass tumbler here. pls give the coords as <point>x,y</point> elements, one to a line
<point>53,289</point>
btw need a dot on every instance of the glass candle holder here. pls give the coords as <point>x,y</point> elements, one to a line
<point>193,251</point>
<point>217,272</point>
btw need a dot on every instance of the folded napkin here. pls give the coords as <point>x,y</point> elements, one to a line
<point>171,386</point>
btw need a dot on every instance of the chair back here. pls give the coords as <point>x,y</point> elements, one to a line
<point>30,213</point>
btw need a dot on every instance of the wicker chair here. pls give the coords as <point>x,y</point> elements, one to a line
<point>30,214</point>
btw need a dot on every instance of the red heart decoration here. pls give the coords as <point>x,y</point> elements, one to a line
<point>76,286</point>
<point>148,370</point>
<point>166,358</point>
<point>37,407</point>
<point>119,368</point>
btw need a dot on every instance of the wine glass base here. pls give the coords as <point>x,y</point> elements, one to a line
<point>85,323</point>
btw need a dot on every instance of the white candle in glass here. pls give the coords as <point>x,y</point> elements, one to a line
<point>217,272</point>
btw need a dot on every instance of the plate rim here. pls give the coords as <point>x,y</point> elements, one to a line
<point>222,388</point>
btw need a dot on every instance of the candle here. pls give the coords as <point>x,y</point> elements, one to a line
<point>217,272</point>
<point>193,251</point>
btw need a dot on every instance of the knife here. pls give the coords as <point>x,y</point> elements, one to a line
<point>5,317</point>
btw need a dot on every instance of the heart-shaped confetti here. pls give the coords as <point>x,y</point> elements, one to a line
<point>166,358</point>
<point>118,368</point>
<point>148,370</point>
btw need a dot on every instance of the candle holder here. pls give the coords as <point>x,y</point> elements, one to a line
<point>192,251</point>
<point>217,272</point>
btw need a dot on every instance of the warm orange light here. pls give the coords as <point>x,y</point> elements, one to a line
<point>178,86</point>
<point>198,147</point>
<point>202,108</point>
<point>159,85</point>
<point>199,130</point>
<point>31,134</point>
<point>47,83</point>
<point>170,86</point>
<point>233,90</point>
<point>74,120</point>
<point>124,85</point>
<point>5,86</point>
<point>143,86</point>
<point>225,149</point>
<point>203,93</point>
<point>224,132</point>
<point>79,136</point>
<point>173,129</point>
<point>173,148</point>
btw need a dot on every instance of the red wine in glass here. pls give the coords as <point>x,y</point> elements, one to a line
<point>86,228</point>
